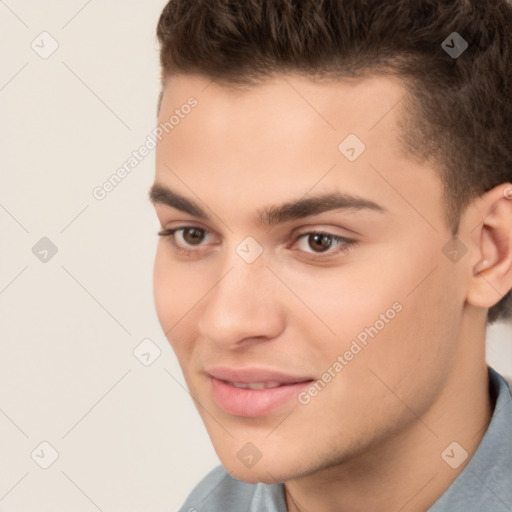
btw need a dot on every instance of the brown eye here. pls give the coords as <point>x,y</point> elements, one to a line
<point>193,236</point>
<point>187,236</point>
<point>322,244</point>
<point>319,242</point>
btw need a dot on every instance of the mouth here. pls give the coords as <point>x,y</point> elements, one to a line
<point>256,385</point>
<point>254,392</point>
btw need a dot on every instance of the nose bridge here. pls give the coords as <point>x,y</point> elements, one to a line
<point>242,303</point>
<point>244,266</point>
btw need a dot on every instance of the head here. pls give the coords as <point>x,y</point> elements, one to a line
<point>345,182</point>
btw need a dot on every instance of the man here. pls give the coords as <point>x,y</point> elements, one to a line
<point>334,185</point>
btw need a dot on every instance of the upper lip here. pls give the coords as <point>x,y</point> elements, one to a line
<point>250,375</point>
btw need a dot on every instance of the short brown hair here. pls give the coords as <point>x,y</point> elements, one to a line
<point>459,109</point>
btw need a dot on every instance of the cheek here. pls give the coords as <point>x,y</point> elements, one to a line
<point>175,290</point>
<point>412,355</point>
<point>343,301</point>
<point>162,290</point>
<point>387,305</point>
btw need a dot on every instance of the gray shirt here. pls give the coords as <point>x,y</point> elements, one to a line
<point>484,485</point>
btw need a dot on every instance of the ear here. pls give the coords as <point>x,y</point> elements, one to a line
<point>491,235</point>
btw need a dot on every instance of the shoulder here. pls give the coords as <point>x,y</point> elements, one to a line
<point>219,491</point>
<point>486,482</point>
<point>509,382</point>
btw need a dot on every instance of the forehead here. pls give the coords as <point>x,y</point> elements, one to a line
<point>288,114</point>
<point>337,104</point>
<point>285,138</point>
<point>283,113</point>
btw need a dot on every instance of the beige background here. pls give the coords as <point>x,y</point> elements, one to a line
<point>128,436</point>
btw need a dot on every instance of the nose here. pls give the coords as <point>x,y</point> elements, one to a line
<point>243,305</point>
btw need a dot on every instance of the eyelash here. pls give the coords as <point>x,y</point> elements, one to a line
<point>348,243</point>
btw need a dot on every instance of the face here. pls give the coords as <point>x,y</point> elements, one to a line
<point>297,260</point>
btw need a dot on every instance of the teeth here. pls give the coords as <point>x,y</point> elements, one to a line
<point>256,385</point>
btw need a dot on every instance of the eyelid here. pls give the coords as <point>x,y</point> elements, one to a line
<point>170,233</point>
<point>347,243</point>
<point>324,228</point>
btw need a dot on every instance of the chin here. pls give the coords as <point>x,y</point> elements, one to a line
<point>266,470</point>
<point>258,474</point>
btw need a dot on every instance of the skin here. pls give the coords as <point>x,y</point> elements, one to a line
<point>372,438</point>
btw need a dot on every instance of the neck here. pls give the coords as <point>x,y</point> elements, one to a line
<point>408,472</point>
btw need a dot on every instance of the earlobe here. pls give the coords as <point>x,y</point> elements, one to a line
<point>492,274</point>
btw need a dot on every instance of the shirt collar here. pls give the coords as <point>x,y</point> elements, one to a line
<point>486,481</point>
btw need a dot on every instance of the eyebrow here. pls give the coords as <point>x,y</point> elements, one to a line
<point>274,214</point>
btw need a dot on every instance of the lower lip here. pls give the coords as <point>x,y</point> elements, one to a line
<point>253,402</point>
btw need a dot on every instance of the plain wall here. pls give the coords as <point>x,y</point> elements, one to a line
<point>128,436</point>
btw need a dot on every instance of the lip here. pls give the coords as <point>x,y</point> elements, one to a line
<point>253,402</point>
<point>253,374</point>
